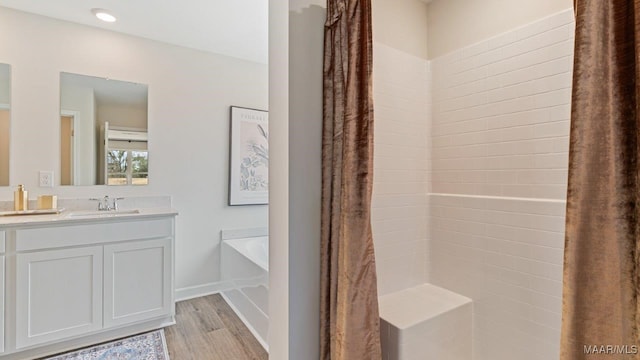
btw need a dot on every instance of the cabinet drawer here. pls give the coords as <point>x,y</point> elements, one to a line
<point>77,235</point>
<point>2,236</point>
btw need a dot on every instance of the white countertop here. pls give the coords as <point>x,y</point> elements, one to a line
<point>66,217</point>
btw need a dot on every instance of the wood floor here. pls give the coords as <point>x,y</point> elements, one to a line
<point>207,329</point>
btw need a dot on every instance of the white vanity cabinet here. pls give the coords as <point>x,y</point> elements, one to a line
<point>73,283</point>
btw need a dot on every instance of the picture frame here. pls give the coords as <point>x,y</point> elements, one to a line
<point>249,157</point>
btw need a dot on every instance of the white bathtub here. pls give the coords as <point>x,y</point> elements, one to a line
<point>255,249</point>
<point>245,266</point>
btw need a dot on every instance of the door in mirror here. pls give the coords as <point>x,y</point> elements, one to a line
<point>5,122</point>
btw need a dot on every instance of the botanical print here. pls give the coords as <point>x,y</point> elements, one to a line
<point>254,168</point>
<point>249,157</point>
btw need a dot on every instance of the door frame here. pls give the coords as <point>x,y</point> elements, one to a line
<point>76,116</point>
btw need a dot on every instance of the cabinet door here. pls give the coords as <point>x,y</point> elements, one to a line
<point>138,283</point>
<point>58,294</point>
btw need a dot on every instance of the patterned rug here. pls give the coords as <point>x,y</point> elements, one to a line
<point>149,346</point>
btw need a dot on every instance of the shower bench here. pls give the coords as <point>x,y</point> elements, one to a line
<point>425,322</point>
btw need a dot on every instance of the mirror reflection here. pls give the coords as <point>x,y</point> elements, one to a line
<point>103,131</point>
<point>5,116</point>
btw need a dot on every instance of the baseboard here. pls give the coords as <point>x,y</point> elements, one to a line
<point>192,292</point>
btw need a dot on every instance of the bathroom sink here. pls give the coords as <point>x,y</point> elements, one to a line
<point>102,213</point>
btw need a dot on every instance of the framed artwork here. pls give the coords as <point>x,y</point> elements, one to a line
<point>249,157</point>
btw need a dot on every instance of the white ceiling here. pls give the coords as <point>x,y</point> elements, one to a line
<point>237,28</point>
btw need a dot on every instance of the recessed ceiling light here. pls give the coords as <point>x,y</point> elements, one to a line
<point>103,15</point>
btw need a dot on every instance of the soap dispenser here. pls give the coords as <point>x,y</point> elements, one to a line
<point>20,199</point>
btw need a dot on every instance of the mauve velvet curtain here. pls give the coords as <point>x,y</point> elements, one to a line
<point>600,300</point>
<point>350,326</point>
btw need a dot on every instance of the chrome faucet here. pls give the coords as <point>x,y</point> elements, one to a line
<point>106,203</point>
<point>115,203</point>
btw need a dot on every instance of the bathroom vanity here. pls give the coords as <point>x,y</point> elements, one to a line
<point>78,278</point>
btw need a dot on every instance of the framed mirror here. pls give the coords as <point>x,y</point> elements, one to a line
<point>103,131</point>
<point>5,122</point>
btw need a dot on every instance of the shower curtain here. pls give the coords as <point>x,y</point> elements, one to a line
<point>349,301</point>
<point>600,293</point>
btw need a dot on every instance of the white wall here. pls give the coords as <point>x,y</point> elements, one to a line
<point>279,269</point>
<point>401,168</point>
<point>457,23</point>
<point>189,97</point>
<point>401,143</point>
<point>81,101</point>
<point>306,39</point>
<point>402,25</point>
<point>501,110</point>
<point>501,113</point>
<point>306,34</point>
<point>506,254</point>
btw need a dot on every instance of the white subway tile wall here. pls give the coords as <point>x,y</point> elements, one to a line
<point>401,168</point>
<point>501,111</point>
<point>506,255</point>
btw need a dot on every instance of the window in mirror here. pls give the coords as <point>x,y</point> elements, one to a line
<point>5,120</point>
<point>103,126</point>
<point>117,167</point>
<point>127,167</point>
<point>139,167</point>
